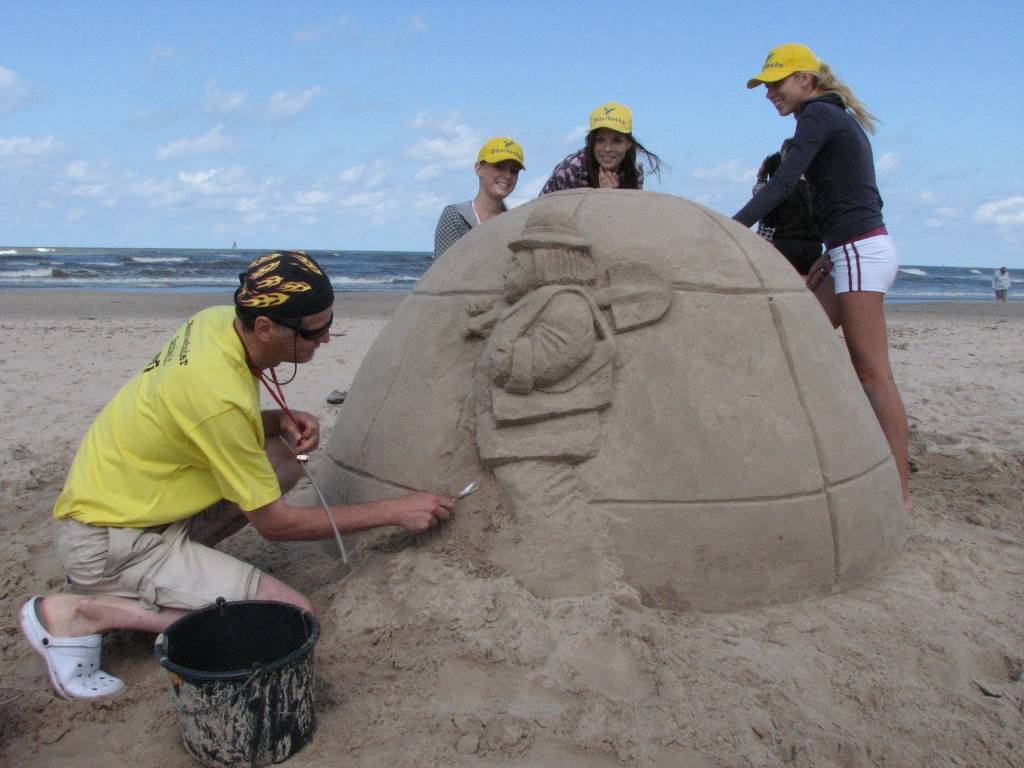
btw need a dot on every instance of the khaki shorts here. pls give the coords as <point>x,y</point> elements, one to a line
<point>162,567</point>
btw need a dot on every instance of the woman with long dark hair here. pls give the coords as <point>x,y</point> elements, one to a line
<point>831,149</point>
<point>609,157</point>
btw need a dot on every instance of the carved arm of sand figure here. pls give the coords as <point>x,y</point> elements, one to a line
<point>636,295</point>
<point>483,315</point>
<point>560,338</point>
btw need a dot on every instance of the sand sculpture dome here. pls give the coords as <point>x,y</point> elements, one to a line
<point>704,435</point>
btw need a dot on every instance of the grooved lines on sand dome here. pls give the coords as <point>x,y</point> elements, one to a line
<point>730,452</point>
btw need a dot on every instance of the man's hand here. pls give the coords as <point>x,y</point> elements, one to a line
<point>304,431</point>
<point>419,511</point>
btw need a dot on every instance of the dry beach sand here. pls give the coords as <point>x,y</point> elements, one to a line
<point>428,657</point>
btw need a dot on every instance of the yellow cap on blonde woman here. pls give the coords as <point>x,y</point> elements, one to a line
<point>783,60</point>
<point>612,115</point>
<point>500,149</point>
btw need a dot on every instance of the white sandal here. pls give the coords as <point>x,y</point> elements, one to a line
<point>73,662</point>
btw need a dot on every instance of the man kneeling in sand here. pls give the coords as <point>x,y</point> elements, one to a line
<point>183,457</point>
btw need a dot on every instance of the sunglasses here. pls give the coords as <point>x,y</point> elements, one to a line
<point>309,334</point>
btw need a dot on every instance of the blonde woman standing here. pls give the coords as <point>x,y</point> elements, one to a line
<point>831,149</point>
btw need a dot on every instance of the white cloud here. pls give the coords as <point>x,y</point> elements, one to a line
<point>92,190</point>
<point>428,172</point>
<point>420,121</point>
<point>1005,212</point>
<point>378,174</point>
<point>353,174</point>
<point>26,149</point>
<point>161,53</point>
<point>316,32</point>
<point>312,198</point>
<point>731,171</point>
<point>286,104</point>
<point>453,144</point>
<point>368,176</point>
<point>211,142</point>
<point>525,191</point>
<point>888,163</point>
<point>215,182</point>
<point>77,169</point>
<point>13,91</point>
<point>361,199</point>
<point>218,102</point>
<point>576,135</point>
<point>942,216</point>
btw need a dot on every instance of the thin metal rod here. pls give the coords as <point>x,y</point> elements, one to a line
<point>323,501</point>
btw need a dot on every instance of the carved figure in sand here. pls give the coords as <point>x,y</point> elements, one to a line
<point>658,401</point>
<point>545,372</point>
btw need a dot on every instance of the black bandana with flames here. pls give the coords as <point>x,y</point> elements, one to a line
<point>284,284</point>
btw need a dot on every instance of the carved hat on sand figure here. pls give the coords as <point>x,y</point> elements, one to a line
<point>737,463</point>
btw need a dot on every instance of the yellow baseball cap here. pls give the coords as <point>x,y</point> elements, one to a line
<point>614,116</point>
<point>498,150</point>
<point>783,60</point>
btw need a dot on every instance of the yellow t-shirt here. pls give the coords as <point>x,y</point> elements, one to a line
<point>182,434</point>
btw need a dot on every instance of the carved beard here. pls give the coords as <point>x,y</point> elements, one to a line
<point>521,277</point>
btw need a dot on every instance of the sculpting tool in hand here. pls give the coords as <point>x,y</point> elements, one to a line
<point>470,487</point>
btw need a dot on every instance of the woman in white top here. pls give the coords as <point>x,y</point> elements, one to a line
<point>1001,283</point>
<point>498,164</point>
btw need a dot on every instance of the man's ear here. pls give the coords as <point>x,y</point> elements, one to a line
<point>263,328</point>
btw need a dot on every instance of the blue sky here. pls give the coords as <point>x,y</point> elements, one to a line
<point>350,125</point>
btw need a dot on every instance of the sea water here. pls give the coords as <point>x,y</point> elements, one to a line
<point>180,269</point>
<point>183,269</point>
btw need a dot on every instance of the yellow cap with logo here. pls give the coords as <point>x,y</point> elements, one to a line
<point>617,117</point>
<point>783,60</point>
<point>498,150</point>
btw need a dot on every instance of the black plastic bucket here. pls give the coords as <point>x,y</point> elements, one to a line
<point>242,681</point>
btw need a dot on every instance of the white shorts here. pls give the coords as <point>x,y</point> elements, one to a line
<point>864,265</point>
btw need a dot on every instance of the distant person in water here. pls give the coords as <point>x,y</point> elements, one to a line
<point>609,157</point>
<point>1001,283</point>
<point>850,280</point>
<point>790,227</point>
<point>498,164</point>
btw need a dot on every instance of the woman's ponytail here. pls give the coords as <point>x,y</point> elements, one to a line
<point>829,83</point>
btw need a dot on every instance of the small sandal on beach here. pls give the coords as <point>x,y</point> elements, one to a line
<point>73,662</point>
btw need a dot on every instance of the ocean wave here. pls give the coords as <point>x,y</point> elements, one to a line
<point>913,271</point>
<point>57,277</point>
<point>974,271</point>
<point>44,250</point>
<point>365,280</point>
<point>157,259</point>
<point>21,274</point>
<point>372,281</point>
<point>60,273</point>
<point>12,252</point>
<point>937,294</point>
